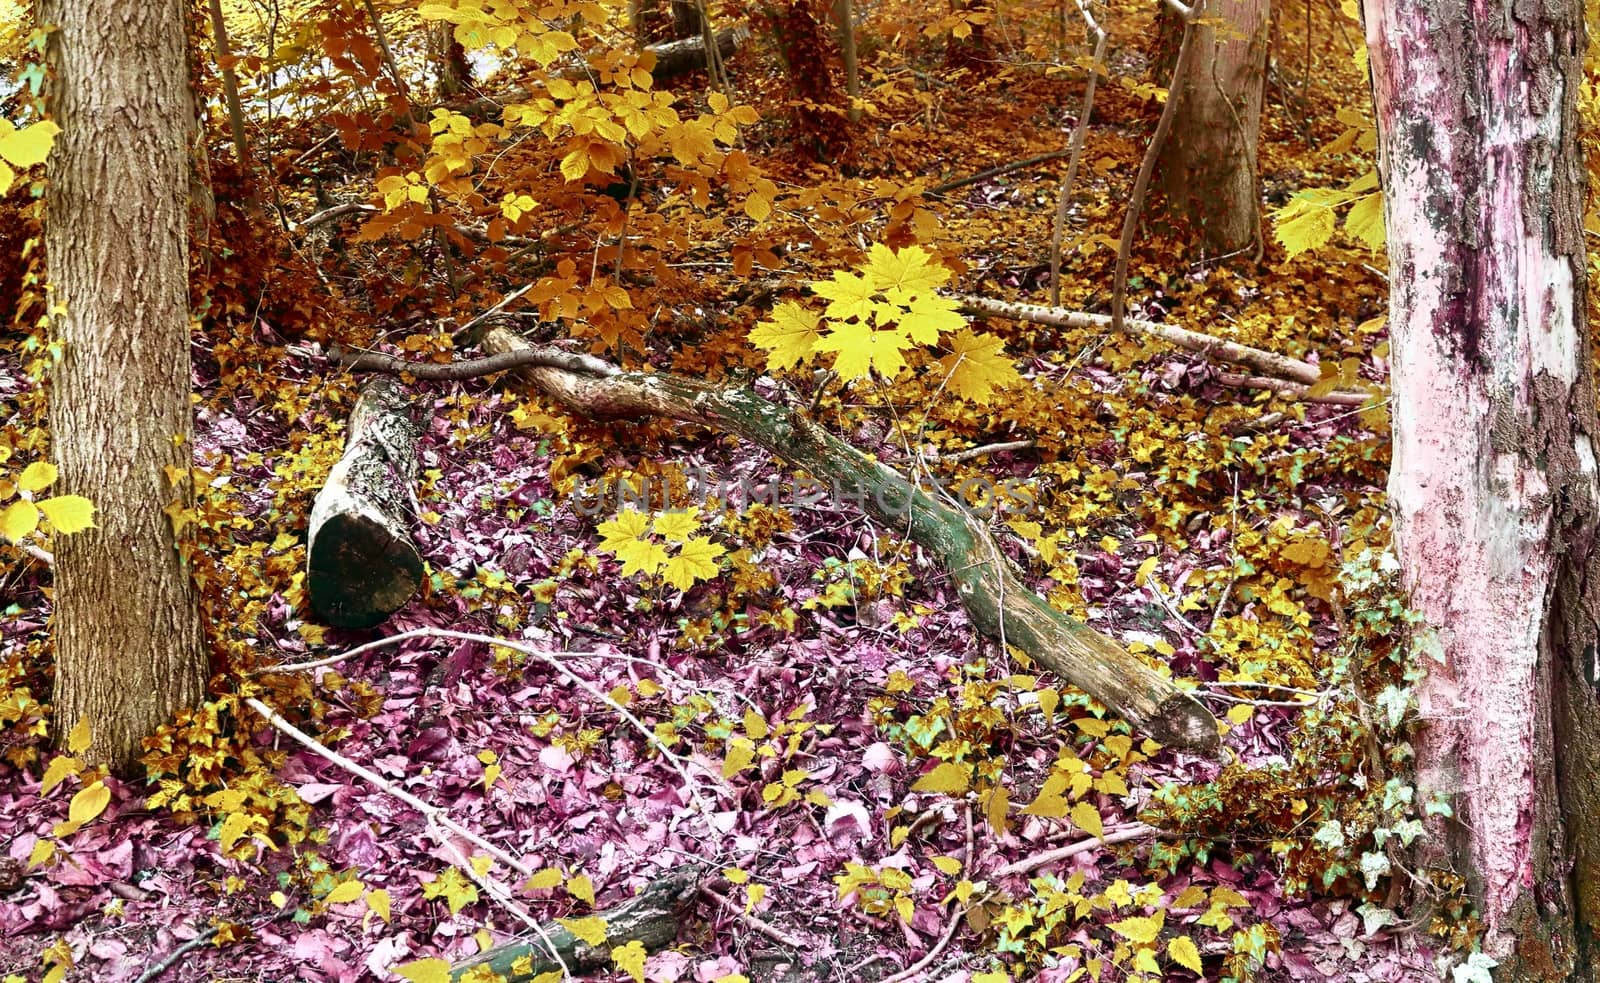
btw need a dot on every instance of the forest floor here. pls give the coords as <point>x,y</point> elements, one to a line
<point>806,688</point>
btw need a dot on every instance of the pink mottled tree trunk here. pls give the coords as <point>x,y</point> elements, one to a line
<point>1494,481</point>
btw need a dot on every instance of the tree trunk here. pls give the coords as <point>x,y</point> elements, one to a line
<point>128,642</point>
<point>1208,166</point>
<point>1493,484</point>
<point>796,26</point>
<point>452,73</point>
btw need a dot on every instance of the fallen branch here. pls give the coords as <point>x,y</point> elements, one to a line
<point>1270,363</point>
<point>435,816</point>
<point>1138,831</point>
<point>359,360</point>
<point>990,588</point>
<point>1016,165</point>
<point>651,918</point>
<point>1293,390</point>
<point>972,453</point>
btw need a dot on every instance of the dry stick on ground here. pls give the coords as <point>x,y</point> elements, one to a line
<point>957,911</point>
<point>1078,134</point>
<point>1291,390</point>
<point>996,171</point>
<point>1265,362</point>
<point>1137,831</point>
<point>990,588</point>
<point>1141,184</point>
<point>433,814</point>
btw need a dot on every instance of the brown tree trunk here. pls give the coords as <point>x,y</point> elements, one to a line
<point>797,28</point>
<point>1493,484</point>
<point>1208,165</point>
<point>128,642</point>
<point>452,72</point>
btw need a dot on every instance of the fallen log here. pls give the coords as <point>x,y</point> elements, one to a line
<point>671,58</point>
<point>651,918</point>
<point>361,565</point>
<point>995,598</point>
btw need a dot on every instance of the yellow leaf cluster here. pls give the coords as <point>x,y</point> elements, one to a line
<point>879,313</point>
<point>645,545</point>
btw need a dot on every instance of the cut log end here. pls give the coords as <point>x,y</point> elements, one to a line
<point>1181,723</point>
<point>359,572</point>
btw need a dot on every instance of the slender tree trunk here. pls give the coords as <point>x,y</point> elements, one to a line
<point>452,71</point>
<point>1493,484</point>
<point>128,642</point>
<point>844,12</point>
<point>230,86</point>
<point>1208,166</point>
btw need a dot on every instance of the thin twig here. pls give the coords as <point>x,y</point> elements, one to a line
<point>996,171</point>
<point>1293,390</point>
<point>334,212</point>
<point>155,972</point>
<point>765,928</point>
<point>432,813</point>
<point>1268,363</point>
<point>1137,831</point>
<point>1078,134</point>
<point>957,457</point>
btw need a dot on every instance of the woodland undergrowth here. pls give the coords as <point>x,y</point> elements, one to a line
<point>868,782</point>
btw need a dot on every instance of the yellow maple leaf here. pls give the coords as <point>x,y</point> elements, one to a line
<point>641,556</point>
<point>849,295</point>
<point>789,338</point>
<point>927,316</point>
<point>697,560</point>
<point>678,525</point>
<point>860,350</point>
<point>911,268</point>
<point>976,366</point>
<point>629,525</point>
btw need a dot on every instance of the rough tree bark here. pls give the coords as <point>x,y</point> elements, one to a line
<point>1493,484</point>
<point>128,641</point>
<point>1208,165</point>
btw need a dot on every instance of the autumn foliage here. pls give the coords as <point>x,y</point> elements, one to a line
<point>776,688</point>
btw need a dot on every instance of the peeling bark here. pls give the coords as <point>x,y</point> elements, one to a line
<point>1494,480</point>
